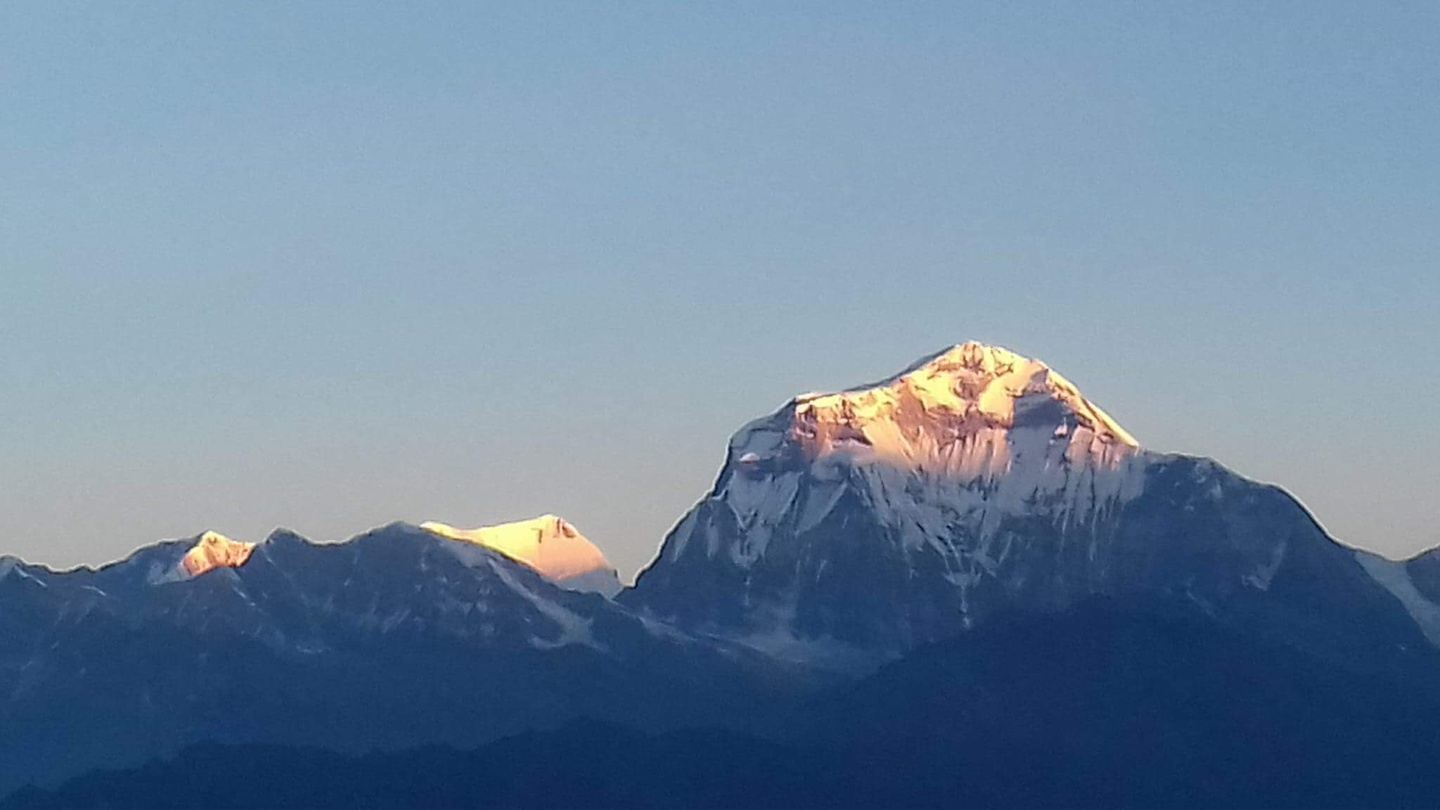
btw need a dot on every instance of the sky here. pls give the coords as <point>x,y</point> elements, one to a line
<point>330,265</point>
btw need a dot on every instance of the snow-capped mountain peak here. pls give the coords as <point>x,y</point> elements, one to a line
<point>977,482</point>
<point>1000,385</point>
<point>549,545</point>
<point>214,550</point>
<point>965,394</point>
<point>926,476</point>
<point>972,414</point>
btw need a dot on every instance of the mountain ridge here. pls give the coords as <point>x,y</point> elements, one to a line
<point>843,532</point>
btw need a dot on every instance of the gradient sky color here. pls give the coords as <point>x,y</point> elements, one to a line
<point>329,265</point>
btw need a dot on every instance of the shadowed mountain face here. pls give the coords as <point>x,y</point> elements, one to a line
<point>957,519</point>
<point>1103,705</point>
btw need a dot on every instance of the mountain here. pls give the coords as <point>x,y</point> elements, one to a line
<point>396,638</point>
<point>966,580</point>
<point>851,527</point>
<point>548,545</point>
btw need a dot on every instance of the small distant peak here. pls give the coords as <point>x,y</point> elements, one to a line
<point>214,550</point>
<point>14,566</point>
<point>549,545</point>
<point>282,535</point>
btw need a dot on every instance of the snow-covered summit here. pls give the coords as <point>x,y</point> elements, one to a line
<point>998,384</point>
<point>214,550</point>
<point>549,545</point>
<point>965,436</point>
<point>953,411</point>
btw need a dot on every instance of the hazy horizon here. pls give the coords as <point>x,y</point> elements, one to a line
<point>278,266</point>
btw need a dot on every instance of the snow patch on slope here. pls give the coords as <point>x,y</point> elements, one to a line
<point>1394,578</point>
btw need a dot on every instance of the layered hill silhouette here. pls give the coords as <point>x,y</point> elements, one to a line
<point>1105,704</point>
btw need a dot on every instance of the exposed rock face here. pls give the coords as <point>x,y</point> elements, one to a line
<point>973,483</point>
<point>549,545</point>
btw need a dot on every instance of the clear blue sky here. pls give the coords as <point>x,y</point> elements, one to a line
<point>327,265</point>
